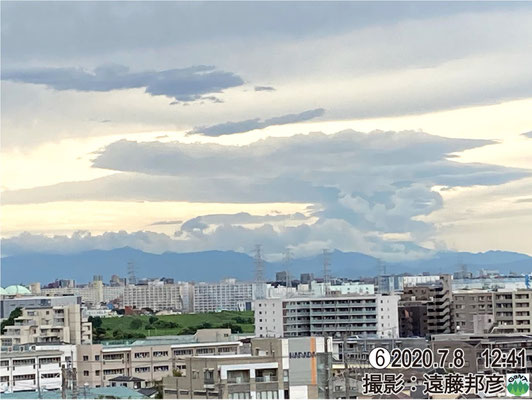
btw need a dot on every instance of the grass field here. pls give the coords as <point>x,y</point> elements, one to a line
<point>138,326</point>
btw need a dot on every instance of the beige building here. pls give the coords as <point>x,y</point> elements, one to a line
<point>275,369</point>
<point>57,324</point>
<point>150,359</point>
<point>501,311</point>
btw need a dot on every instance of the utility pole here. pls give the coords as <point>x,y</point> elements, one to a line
<point>346,367</point>
<point>63,382</point>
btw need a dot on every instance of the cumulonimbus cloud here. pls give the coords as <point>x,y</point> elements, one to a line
<point>185,84</point>
<point>229,128</point>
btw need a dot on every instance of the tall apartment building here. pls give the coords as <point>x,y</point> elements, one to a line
<point>425,308</point>
<point>156,295</point>
<point>228,294</point>
<point>363,315</point>
<point>501,311</point>
<point>296,368</point>
<point>57,324</point>
<point>150,359</point>
<point>92,294</point>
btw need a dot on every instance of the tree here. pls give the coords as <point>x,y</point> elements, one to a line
<point>153,320</point>
<point>17,312</point>
<point>136,324</point>
<point>96,322</point>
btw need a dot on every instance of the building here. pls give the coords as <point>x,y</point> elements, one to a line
<point>228,294</point>
<point>275,369</point>
<point>57,324</point>
<point>8,304</point>
<point>427,305</point>
<point>150,359</point>
<point>473,311</point>
<point>499,311</point>
<point>513,311</point>
<point>473,345</point>
<point>413,319</point>
<point>33,367</point>
<point>92,294</point>
<point>362,315</point>
<point>343,288</point>
<point>155,294</point>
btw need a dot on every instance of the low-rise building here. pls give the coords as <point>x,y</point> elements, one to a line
<point>474,345</point>
<point>33,367</point>
<point>150,359</point>
<point>275,369</point>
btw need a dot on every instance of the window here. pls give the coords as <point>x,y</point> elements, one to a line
<point>160,368</point>
<point>85,358</point>
<point>85,373</point>
<point>97,372</point>
<point>96,358</point>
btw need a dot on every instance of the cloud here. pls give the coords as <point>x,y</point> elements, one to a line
<point>362,189</point>
<point>264,89</point>
<point>186,84</point>
<point>229,128</point>
<point>527,134</point>
<point>166,223</point>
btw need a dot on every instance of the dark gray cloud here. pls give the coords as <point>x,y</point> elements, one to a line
<point>41,30</point>
<point>202,222</point>
<point>156,223</point>
<point>186,84</point>
<point>229,128</point>
<point>528,134</point>
<point>264,89</point>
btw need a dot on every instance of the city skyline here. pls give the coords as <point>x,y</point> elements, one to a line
<point>385,129</point>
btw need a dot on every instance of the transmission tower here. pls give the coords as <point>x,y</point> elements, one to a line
<point>326,270</point>
<point>132,279</point>
<point>287,261</point>
<point>259,273</point>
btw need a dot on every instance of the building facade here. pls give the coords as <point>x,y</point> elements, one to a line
<point>229,294</point>
<point>363,315</point>
<point>34,367</point>
<point>275,369</point>
<point>436,298</point>
<point>156,295</point>
<point>58,324</point>
<point>150,359</point>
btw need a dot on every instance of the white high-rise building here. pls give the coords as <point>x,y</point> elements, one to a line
<point>355,315</point>
<point>228,294</point>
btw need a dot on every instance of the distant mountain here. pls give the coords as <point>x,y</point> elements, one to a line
<point>215,265</point>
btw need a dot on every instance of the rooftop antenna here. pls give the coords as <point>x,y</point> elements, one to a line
<point>287,261</point>
<point>326,270</point>
<point>259,272</point>
<point>132,279</point>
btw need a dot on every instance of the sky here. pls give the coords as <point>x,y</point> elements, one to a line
<point>393,129</point>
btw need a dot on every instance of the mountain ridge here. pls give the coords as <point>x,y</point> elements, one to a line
<point>214,265</point>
